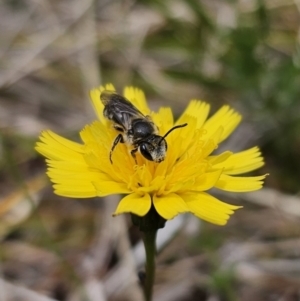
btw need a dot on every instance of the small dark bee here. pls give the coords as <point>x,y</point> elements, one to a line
<point>136,130</point>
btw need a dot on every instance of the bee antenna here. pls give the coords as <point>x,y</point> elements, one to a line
<point>171,130</point>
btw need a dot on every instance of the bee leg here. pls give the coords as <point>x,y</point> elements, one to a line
<point>118,139</point>
<point>133,154</point>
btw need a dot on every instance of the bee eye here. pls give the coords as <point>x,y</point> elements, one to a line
<point>145,152</point>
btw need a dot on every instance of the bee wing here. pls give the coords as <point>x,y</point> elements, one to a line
<point>121,110</point>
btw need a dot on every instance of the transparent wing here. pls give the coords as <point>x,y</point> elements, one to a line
<point>121,110</point>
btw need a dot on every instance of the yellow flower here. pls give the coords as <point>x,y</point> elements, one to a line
<point>178,184</point>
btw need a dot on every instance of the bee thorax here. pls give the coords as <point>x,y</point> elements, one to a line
<point>142,129</point>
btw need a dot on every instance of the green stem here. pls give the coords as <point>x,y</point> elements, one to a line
<point>149,242</point>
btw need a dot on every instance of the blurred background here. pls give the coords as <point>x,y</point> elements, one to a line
<point>245,53</point>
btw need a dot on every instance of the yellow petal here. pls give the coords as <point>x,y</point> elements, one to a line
<point>240,184</point>
<point>208,208</point>
<point>242,162</point>
<point>85,190</point>
<point>169,206</point>
<point>58,176</point>
<point>97,139</point>
<point>76,147</point>
<point>207,180</point>
<point>71,167</point>
<point>137,97</point>
<point>217,159</point>
<point>50,139</point>
<point>77,180</point>
<point>95,99</point>
<point>226,118</point>
<point>96,102</point>
<point>196,109</point>
<point>181,140</point>
<point>212,143</point>
<point>109,87</point>
<point>76,177</point>
<point>53,146</point>
<point>104,188</point>
<point>163,120</point>
<point>134,203</point>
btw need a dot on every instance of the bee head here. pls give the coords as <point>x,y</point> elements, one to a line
<point>154,149</point>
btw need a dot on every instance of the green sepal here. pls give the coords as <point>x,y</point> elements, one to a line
<point>152,221</point>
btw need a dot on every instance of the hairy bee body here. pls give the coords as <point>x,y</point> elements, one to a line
<point>136,130</point>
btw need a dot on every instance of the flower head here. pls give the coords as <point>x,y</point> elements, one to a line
<point>178,184</point>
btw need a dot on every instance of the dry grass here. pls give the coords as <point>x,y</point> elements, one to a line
<point>245,53</point>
